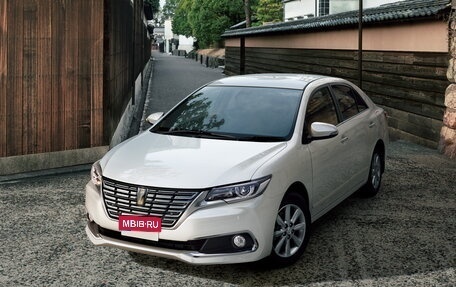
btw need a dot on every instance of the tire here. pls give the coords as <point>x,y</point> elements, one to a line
<point>291,231</point>
<point>374,180</point>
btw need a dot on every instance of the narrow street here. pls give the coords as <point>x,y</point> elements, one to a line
<point>402,237</point>
<point>173,78</point>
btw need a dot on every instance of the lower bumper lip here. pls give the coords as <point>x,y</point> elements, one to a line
<point>191,257</point>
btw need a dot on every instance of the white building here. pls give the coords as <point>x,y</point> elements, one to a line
<point>185,43</point>
<point>299,9</point>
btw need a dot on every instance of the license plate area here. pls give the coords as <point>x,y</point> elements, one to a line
<point>144,227</point>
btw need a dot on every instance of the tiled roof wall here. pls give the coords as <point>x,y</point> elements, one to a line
<point>398,11</point>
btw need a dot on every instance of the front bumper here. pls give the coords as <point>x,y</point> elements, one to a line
<point>252,217</point>
<point>188,256</point>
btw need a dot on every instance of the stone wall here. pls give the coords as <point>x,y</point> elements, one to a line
<point>447,143</point>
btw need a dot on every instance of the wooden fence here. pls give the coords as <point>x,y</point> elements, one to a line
<point>65,70</point>
<point>126,50</point>
<point>409,85</point>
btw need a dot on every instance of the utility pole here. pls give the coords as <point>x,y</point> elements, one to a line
<point>360,44</point>
<point>248,13</point>
<point>242,57</point>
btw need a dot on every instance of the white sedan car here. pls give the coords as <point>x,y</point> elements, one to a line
<point>239,170</point>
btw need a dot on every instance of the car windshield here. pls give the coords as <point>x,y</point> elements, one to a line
<point>234,113</point>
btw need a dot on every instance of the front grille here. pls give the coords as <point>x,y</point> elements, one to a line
<point>168,204</point>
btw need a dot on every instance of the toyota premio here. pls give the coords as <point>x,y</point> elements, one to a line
<point>239,170</point>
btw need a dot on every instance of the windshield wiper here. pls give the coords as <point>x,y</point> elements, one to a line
<point>262,138</point>
<point>198,133</point>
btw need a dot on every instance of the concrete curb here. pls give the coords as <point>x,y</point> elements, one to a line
<point>143,125</point>
<point>6,179</point>
<point>33,165</point>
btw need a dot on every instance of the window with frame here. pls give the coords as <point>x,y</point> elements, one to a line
<point>349,101</point>
<point>323,7</point>
<point>320,108</point>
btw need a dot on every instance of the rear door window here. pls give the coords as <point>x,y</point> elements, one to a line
<point>348,100</point>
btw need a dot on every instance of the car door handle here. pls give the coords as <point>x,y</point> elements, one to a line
<point>371,125</point>
<point>344,139</point>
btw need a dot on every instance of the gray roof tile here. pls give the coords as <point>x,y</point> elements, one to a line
<point>399,11</point>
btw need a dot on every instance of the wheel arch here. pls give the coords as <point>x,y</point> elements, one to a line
<point>299,188</point>
<point>380,148</point>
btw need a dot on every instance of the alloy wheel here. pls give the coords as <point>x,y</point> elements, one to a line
<point>289,231</point>
<point>376,171</point>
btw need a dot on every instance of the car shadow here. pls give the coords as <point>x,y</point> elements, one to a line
<point>407,229</point>
<point>359,239</point>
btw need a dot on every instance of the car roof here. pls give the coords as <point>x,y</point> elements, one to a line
<point>288,81</point>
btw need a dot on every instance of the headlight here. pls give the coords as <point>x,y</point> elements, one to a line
<point>95,174</point>
<point>238,192</point>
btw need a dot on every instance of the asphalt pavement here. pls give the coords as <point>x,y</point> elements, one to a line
<point>405,236</point>
<point>173,78</point>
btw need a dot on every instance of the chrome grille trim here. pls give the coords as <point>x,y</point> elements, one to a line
<point>168,204</point>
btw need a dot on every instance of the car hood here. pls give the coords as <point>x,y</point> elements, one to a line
<point>152,159</point>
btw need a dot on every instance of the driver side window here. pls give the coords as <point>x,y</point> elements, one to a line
<point>320,108</point>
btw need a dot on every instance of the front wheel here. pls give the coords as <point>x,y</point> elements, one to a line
<point>374,180</point>
<point>291,231</point>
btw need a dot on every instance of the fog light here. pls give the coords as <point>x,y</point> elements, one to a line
<point>233,243</point>
<point>239,241</point>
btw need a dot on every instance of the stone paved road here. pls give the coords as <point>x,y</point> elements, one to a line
<point>403,237</point>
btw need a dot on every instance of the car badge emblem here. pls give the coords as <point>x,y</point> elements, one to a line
<point>141,196</point>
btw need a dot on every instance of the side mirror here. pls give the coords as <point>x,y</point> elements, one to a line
<point>323,131</point>
<point>153,118</point>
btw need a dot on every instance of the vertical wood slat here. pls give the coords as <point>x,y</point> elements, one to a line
<point>71,59</point>
<point>44,79</point>
<point>3,75</point>
<point>58,34</point>
<point>29,94</point>
<point>14,120</point>
<point>96,117</point>
<point>84,36</point>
